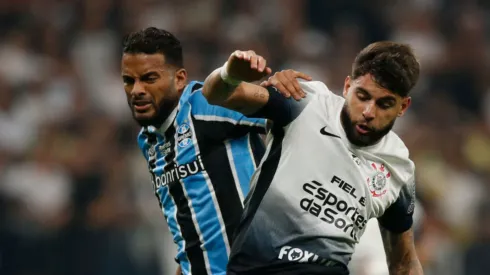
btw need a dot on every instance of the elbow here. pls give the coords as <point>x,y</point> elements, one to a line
<point>412,267</point>
<point>211,90</point>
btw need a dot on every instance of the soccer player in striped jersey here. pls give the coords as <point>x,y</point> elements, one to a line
<point>201,157</point>
<point>332,163</point>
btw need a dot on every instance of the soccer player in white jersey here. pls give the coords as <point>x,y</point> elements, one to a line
<point>332,163</point>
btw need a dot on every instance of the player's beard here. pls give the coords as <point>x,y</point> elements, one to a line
<point>161,114</point>
<point>362,140</point>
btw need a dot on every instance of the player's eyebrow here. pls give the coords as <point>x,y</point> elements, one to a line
<point>146,74</point>
<point>362,90</point>
<point>149,73</point>
<point>384,98</point>
<point>126,77</point>
<point>387,98</point>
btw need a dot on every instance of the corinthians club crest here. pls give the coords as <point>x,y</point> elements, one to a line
<point>377,182</point>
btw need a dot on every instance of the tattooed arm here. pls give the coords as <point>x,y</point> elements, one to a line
<point>400,253</point>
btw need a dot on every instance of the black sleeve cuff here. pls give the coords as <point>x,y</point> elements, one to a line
<point>396,219</point>
<point>277,108</point>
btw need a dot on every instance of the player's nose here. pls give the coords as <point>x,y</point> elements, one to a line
<point>369,112</point>
<point>138,90</point>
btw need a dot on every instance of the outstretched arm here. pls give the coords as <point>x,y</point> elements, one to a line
<point>245,98</point>
<point>228,86</point>
<point>400,252</point>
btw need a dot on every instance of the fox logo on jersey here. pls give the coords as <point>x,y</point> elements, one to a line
<point>297,255</point>
<point>377,183</point>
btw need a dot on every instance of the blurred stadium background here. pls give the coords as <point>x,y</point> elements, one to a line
<point>75,197</point>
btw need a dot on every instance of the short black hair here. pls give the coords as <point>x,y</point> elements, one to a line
<point>153,40</point>
<point>392,65</point>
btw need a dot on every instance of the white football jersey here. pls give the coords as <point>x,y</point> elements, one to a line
<point>314,191</point>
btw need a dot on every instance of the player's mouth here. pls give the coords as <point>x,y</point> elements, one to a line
<point>363,129</point>
<point>141,105</point>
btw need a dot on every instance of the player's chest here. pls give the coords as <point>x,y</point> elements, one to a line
<point>378,180</point>
<point>324,154</point>
<point>173,156</point>
<point>174,147</point>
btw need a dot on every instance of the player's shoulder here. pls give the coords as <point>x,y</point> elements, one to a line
<point>326,103</point>
<point>320,90</point>
<point>195,86</point>
<point>396,153</point>
<point>192,96</point>
<point>191,90</point>
<point>313,87</point>
<point>393,143</point>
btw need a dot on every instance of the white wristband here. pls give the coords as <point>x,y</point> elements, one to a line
<point>227,78</point>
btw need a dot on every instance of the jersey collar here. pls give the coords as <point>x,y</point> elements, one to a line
<point>166,124</point>
<point>170,119</point>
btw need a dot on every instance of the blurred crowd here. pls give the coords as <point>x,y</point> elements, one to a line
<point>75,196</point>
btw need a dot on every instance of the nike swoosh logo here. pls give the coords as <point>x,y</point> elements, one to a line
<point>324,132</point>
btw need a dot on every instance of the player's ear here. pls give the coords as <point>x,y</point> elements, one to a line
<point>346,86</point>
<point>180,78</point>
<point>406,101</point>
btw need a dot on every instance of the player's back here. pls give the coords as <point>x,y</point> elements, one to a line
<point>201,160</point>
<point>314,192</point>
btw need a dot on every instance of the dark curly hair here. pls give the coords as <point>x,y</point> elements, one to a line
<point>392,65</point>
<point>153,40</point>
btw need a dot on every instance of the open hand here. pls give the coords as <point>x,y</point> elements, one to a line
<point>287,83</point>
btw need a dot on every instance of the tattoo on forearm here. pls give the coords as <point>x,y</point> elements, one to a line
<point>401,258</point>
<point>259,93</point>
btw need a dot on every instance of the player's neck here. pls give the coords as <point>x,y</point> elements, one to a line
<point>161,119</point>
<point>166,111</point>
<point>165,114</point>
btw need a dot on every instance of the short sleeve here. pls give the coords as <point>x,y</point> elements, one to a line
<point>398,217</point>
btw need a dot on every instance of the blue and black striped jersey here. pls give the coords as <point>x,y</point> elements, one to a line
<point>201,161</point>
